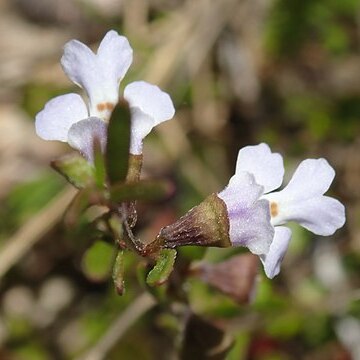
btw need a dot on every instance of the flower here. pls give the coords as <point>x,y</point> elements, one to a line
<point>67,118</point>
<point>236,216</point>
<point>248,212</point>
<point>302,200</point>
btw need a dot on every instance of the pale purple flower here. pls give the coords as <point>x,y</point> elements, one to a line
<point>302,200</point>
<point>248,214</point>
<point>67,118</point>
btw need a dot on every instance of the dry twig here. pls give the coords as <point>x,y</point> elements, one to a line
<point>32,231</point>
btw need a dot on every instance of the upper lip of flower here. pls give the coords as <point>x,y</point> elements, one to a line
<point>99,74</point>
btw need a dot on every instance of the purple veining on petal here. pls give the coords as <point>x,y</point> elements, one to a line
<point>238,212</point>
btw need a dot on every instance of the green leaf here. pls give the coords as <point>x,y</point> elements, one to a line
<point>163,267</point>
<point>99,165</point>
<point>118,272</point>
<point>145,190</point>
<point>97,261</point>
<point>118,142</point>
<point>75,169</point>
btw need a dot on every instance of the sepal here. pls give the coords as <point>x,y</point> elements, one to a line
<point>133,175</point>
<point>134,169</point>
<point>204,225</point>
<point>118,142</point>
<point>163,268</point>
<point>76,170</point>
<point>99,164</point>
<point>118,272</point>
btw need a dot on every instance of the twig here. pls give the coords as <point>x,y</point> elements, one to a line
<point>32,231</point>
<point>139,307</point>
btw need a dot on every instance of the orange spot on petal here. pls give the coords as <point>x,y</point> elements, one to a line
<point>109,106</point>
<point>101,106</point>
<point>105,106</point>
<point>274,209</point>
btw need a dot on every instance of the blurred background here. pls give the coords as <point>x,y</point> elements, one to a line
<point>240,72</point>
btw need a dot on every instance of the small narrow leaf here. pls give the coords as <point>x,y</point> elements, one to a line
<point>99,165</point>
<point>118,142</point>
<point>118,273</point>
<point>97,261</point>
<point>77,170</point>
<point>145,190</point>
<point>163,267</point>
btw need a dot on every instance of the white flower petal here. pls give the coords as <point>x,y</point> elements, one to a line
<point>99,74</point>
<point>115,55</point>
<point>149,107</point>
<point>240,183</point>
<point>141,125</point>
<point>249,217</point>
<point>82,134</point>
<point>79,64</point>
<point>267,167</point>
<point>272,260</point>
<point>58,115</point>
<point>322,215</point>
<point>313,177</point>
<point>302,200</point>
<point>151,100</point>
